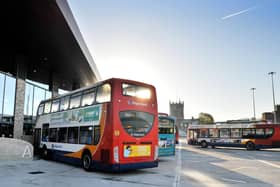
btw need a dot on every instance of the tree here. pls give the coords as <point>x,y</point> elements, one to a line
<point>205,118</point>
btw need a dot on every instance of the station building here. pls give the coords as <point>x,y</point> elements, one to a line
<point>43,52</point>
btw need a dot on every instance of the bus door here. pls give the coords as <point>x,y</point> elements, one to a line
<point>193,135</point>
<point>45,132</point>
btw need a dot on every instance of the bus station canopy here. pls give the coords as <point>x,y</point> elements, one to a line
<point>44,36</point>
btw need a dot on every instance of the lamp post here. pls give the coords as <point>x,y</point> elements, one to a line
<point>254,109</point>
<point>274,114</point>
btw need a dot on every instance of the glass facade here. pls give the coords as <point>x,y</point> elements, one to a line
<point>34,93</point>
<point>7,95</point>
<point>9,99</point>
<point>1,92</point>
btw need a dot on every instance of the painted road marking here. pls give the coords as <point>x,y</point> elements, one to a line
<point>240,168</point>
<point>176,181</point>
<point>265,162</point>
<point>269,163</point>
<point>232,180</point>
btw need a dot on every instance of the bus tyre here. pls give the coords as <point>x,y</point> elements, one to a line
<point>86,161</point>
<point>204,144</point>
<point>250,146</point>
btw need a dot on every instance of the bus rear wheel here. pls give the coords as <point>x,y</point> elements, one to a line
<point>204,144</point>
<point>86,161</point>
<point>250,146</point>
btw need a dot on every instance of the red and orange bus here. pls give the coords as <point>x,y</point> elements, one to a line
<point>249,136</point>
<point>112,125</point>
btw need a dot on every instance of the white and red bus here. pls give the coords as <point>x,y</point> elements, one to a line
<point>249,136</point>
<point>112,125</point>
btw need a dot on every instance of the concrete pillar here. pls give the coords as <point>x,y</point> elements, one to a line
<point>19,97</point>
<point>53,84</point>
<point>54,90</point>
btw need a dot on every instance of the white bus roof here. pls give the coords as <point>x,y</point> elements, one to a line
<point>239,125</point>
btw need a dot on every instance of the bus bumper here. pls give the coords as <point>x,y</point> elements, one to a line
<point>123,167</point>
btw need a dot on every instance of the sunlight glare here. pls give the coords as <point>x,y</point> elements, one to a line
<point>203,178</point>
<point>144,94</point>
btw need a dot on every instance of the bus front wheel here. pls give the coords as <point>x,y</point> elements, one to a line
<point>204,144</point>
<point>250,146</point>
<point>86,161</point>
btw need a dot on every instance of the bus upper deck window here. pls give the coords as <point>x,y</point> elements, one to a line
<point>64,103</point>
<point>47,108</point>
<point>75,101</point>
<point>136,91</point>
<point>41,109</point>
<point>103,93</point>
<point>55,105</point>
<point>88,97</point>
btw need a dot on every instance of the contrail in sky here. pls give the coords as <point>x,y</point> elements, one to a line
<point>238,13</point>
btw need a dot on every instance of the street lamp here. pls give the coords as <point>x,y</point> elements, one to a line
<point>274,114</point>
<point>253,89</point>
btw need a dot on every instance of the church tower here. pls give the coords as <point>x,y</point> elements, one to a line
<point>176,109</point>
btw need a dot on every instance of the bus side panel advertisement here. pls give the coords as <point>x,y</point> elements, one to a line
<point>136,150</point>
<point>166,143</point>
<point>77,115</point>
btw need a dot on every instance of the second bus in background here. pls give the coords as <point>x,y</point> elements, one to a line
<point>166,136</point>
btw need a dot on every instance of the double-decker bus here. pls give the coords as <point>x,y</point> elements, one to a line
<point>111,126</point>
<point>166,126</point>
<point>249,136</point>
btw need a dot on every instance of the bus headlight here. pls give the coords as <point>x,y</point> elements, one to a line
<point>156,153</point>
<point>116,154</point>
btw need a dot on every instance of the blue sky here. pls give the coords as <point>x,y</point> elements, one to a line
<point>205,53</point>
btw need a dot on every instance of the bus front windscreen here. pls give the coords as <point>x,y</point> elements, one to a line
<point>136,123</point>
<point>164,130</point>
<point>166,126</point>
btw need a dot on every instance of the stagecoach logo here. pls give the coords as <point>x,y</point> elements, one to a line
<point>137,103</point>
<point>54,146</point>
